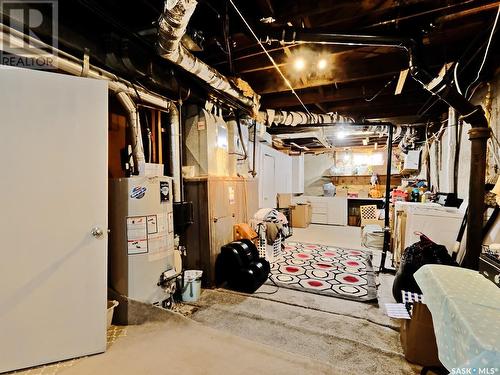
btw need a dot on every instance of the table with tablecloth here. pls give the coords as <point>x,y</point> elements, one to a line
<point>465,309</point>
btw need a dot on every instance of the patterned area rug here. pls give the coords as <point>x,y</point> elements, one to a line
<point>328,270</point>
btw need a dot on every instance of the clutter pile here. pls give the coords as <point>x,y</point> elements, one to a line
<point>271,227</point>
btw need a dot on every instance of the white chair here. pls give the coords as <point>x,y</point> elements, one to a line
<point>372,232</point>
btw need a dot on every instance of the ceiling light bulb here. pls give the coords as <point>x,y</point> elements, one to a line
<point>322,64</point>
<point>341,134</point>
<point>299,64</point>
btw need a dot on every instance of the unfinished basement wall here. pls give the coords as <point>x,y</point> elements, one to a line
<point>441,152</point>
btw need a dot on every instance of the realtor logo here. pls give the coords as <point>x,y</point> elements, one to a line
<point>29,33</point>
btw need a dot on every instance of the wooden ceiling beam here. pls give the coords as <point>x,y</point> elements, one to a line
<point>348,70</point>
<point>332,94</point>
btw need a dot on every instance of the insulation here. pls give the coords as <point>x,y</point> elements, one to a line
<point>171,27</point>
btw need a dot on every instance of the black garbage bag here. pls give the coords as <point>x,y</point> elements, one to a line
<point>415,256</point>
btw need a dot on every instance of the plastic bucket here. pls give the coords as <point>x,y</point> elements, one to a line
<point>111,309</point>
<point>191,288</point>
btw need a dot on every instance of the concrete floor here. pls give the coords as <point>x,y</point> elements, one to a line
<point>356,337</point>
<point>287,332</point>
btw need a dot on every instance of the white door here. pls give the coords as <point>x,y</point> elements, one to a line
<point>269,183</point>
<point>53,191</point>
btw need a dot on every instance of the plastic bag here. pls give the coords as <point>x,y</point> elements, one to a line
<point>415,256</point>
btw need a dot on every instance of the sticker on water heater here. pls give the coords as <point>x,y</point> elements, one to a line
<point>137,235</point>
<point>164,191</point>
<point>138,192</point>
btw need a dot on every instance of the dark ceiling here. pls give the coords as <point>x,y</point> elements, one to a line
<point>358,82</point>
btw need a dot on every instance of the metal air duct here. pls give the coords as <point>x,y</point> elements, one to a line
<point>295,118</point>
<point>171,27</point>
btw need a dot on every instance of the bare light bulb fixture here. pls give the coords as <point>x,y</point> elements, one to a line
<point>299,64</point>
<point>322,63</point>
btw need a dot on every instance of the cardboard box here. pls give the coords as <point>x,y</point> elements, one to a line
<point>418,339</point>
<point>301,215</point>
<point>412,161</point>
<point>284,200</point>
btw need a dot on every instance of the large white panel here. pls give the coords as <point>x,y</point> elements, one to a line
<point>298,174</point>
<point>282,173</point>
<point>53,150</point>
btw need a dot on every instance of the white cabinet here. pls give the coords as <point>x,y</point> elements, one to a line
<point>326,210</point>
<point>298,174</point>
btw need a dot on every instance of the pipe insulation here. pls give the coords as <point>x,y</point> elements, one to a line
<point>171,27</point>
<point>135,128</point>
<point>19,44</point>
<point>294,118</point>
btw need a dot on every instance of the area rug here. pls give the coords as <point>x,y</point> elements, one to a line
<point>328,270</point>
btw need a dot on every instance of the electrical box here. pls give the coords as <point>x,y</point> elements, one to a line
<point>141,239</point>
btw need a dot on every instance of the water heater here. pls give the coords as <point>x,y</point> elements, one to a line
<point>141,240</point>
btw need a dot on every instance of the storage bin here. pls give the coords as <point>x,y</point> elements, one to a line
<point>111,309</point>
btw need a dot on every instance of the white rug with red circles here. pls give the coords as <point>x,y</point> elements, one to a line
<point>327,270</point>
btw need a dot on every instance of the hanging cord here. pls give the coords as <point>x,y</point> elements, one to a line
<point>287,82</point>
<point>485,53</point>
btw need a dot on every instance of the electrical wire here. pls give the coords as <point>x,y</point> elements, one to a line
<point>273,282</point>
<point>485,53</point>
<point>287,82</point>
<point>382,89</point>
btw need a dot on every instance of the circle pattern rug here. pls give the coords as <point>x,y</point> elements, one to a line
<point>328,270</point>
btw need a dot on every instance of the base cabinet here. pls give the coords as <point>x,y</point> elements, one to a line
<point>326,210</point>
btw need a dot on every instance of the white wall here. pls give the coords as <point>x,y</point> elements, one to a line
<point>316,166</point>
<point>298,174</point>
<point>283,170</point>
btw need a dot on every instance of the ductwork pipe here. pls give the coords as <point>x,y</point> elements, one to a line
<point>171,27</point>
<point>294,118</point>
<point>474,115</point>
<point>175,151</point>
<point>135,128</point>
<point>15,42</point>
<point>23,45</point>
